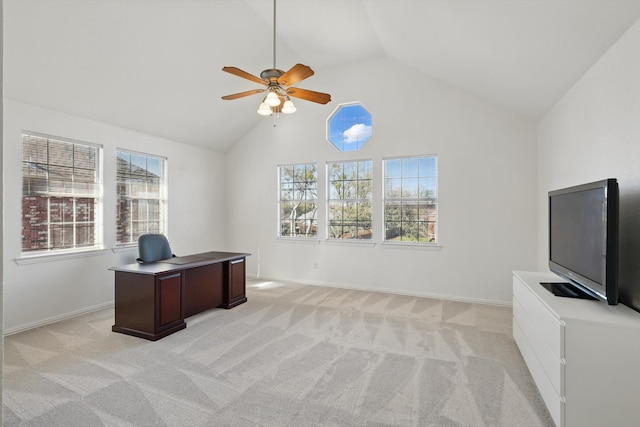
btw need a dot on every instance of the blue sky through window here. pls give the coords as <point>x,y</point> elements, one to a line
<point>411,176</point>
<point>350,127</point>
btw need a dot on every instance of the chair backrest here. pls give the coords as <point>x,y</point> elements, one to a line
<point>153,247</point>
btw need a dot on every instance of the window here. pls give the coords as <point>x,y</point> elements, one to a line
<point>61,194</point>
<point>141,194</point>
<point>349,127</point>
<point>349,200</point>
<point>298,200</point>
<point>410,199</point>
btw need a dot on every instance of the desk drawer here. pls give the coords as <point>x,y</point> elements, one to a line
<point>203,288</point>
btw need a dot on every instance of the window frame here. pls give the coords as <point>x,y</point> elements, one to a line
<point>367,122</point>
<point>427,201</point>
<point>314,220</point>
<point>65,189</point>
<point>162,198</point>
<point>353,201</point>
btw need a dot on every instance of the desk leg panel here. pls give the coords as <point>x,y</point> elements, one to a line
<point>235,286</point>
<point>135,302</point>
<point>147,306</point>
<point>169,301</point>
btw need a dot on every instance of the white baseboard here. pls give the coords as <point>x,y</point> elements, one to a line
<point>388,291</point>
<point>55,319</point>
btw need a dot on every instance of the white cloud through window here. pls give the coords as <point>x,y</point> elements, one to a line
<point>357,132</point>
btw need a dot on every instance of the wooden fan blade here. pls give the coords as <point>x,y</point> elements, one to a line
<point>309,95</point>
<point>240,73</point>
<point>242,94</point>
<point>296,74</point>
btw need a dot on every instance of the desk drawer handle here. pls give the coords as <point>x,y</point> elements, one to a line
<point>236,261</point>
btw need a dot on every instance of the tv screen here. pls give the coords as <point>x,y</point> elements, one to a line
<point>583,237</point>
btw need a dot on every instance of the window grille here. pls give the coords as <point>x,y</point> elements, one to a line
<point>410,199</point>
<point>349,201</point>
<point>298,200</point>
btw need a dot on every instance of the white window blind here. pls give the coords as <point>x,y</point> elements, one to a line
<point>141,195</point>
<point>61,194</point>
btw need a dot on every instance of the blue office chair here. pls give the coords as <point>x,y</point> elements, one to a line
<point>153,247</point>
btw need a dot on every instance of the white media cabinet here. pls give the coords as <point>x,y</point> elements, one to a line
<point>584,355</point>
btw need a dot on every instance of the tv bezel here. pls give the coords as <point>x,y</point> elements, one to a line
<point>607,291</point>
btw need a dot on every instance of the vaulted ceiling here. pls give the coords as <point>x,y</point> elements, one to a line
<point>155,65</point>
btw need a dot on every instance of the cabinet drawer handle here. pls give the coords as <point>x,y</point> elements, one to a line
<point>236,261</point>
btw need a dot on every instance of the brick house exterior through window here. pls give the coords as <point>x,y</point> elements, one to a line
<point>141,196</point>
<point>61,194</point>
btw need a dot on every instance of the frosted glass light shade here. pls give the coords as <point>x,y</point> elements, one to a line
<point>264,109</point>
<point>288,107</point>
<point>272,99</point>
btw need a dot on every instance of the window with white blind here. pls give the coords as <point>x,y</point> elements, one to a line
<point>349,201</point>
<point>141,196</point>
<point>410,199</point>
<point>298,200</point>
<point>61,194</point>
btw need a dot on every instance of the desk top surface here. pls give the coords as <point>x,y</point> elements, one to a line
<point>180,263</point>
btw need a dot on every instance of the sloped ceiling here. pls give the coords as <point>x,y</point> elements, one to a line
<point>155,65</point>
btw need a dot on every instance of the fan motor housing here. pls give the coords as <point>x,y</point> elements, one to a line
<point>271,73</point>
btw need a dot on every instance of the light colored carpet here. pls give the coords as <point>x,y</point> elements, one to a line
<point>293,355</point>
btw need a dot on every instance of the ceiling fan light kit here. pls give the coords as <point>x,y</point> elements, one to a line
<point>272,100</point>
<point>264,109</point>
<point>288,107</point>
<point>278,84</point>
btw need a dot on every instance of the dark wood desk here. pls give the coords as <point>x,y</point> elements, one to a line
<point>153,300</point>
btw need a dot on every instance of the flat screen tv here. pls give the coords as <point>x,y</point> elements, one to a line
<point>583,239</point>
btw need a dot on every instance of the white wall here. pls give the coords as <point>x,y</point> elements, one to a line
<point>487,187</point>
<point>594,133</point>
<point>39,293</point>
<point>1,200</point>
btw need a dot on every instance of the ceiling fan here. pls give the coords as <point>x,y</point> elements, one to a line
<point>278,84</point>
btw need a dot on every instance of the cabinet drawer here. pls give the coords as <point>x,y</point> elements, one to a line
<point>546,356</point>
<point>549,328</point>
<point>522,319</point>
<point>551,398</point>
<point>550,362</point>
<point>521,293</point>
<point>543,323</point>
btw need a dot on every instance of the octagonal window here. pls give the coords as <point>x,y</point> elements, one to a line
<point>349,126</point>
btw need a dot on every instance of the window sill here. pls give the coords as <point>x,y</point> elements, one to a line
<point>309,240</point>
<point>125,248</point>
<point>366,243</point>
<point>58,256</point>
<point>352,242</point>
<point>412,246</point>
